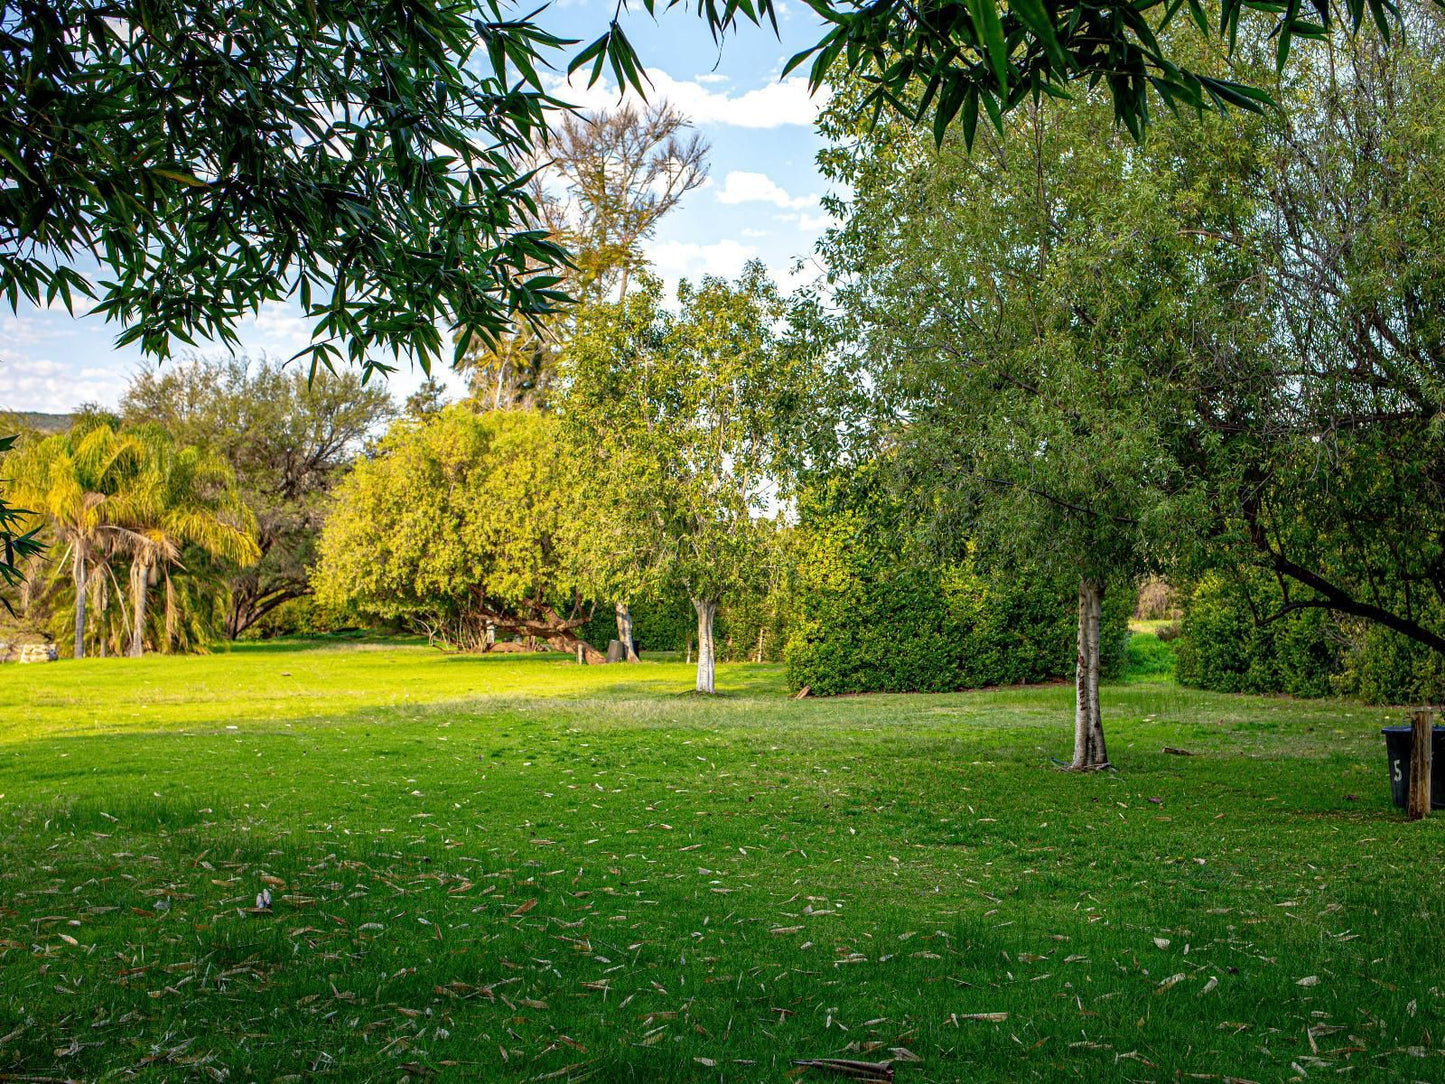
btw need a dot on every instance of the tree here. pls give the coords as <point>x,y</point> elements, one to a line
<point>674,412</point>
<point>1023,313</point>
<point>177,498</point>
<point>1321,448</point>
<point>455,524</point>
<point>603,184</point>
<point>286,438</point>
<point>73,479</point>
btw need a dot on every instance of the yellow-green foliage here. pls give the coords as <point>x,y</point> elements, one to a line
<point>457,513</point>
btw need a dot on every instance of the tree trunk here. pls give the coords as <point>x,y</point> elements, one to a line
<point>138,576</point>
<point>102,603</point>
<point>574,645</point>
<point>173,617</point>
<point>1089,751</point>
<point>624,631</point>
<point>77,573</point>
<point>706,664</point>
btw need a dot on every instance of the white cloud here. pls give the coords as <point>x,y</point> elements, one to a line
<point>741,186</point>
<point>687,259</point>
<point>48,386</point>
<point>278,329</point>
<point>814,223</point>
<point>37,328</point>
<point>776,105</point>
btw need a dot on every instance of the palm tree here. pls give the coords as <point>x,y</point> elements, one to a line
<point>73,479</point>
<point>178,497</point>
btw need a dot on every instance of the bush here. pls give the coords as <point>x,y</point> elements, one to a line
<point>1229,643</point>
<point>1225,646</point>
<point>657,625</point>
<point>874,614</point>
<point>1383,667</point>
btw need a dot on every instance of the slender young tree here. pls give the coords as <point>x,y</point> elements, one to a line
<point>675,413</point>
<point>1024,315</point>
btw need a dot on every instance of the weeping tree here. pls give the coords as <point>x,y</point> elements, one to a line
<point>675,413</point>
<point>1030,316</point>
<point>455,524</point>
<point>177,499</point>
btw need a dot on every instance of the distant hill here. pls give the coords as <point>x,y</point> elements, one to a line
<point>31,419</point>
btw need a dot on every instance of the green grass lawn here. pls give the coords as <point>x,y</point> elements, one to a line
<point>514,868</point>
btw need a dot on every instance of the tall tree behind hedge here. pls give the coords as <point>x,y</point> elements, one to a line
<point>602,186</point>
<point>287,438</point>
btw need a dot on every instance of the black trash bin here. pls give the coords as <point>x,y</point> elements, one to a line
<point>1399,740</point>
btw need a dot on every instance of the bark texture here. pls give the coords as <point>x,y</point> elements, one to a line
<point>139,576</point>
<point>1090,753</point>
<point>77,573</point>
<point>706,658</point>
<point>624,631</point>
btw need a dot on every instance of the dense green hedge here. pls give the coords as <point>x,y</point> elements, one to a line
<point>1230,641</point>
<point>875,614</point>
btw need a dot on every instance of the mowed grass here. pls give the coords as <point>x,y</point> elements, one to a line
<point>515,868</point>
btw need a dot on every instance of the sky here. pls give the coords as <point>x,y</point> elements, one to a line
<point>761,200</point>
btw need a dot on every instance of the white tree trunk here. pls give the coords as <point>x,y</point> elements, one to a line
<point>138,577</point>
<point>706,664</point>
<point>1090,753</point>
<point>77,573</point>
<point>624,631</point>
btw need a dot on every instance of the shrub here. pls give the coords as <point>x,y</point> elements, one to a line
<point>1225,645</point>
<point>1231,642</point>
<point>1383,667</point>
<point>876,614</point>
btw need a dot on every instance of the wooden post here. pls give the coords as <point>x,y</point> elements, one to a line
<point>1417,802</point>
<point>582,658</point>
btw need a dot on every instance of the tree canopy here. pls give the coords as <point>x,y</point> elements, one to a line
<point>287,437</point>
<point>457,523</point>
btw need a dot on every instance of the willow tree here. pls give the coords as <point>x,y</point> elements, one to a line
<point>1028,317</point>
<point>674,411</point>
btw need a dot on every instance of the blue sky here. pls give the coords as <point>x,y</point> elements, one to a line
<point>761,201</point>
